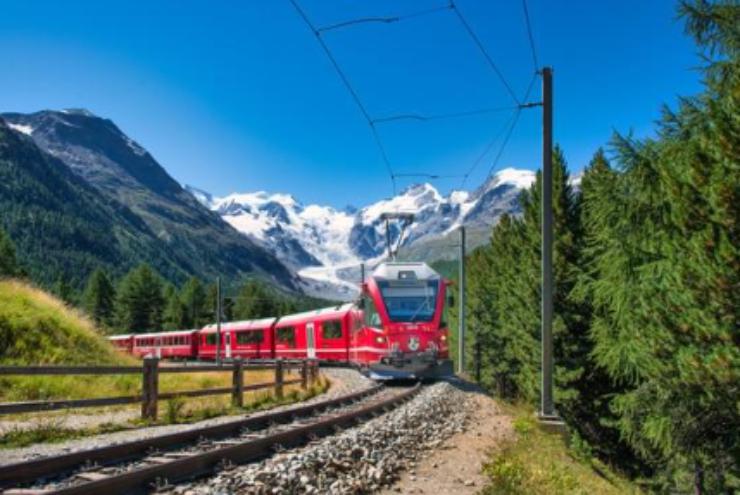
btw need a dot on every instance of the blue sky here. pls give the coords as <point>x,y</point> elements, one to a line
<point>238,96</point>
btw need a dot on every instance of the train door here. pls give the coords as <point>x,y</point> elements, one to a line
<point>227,345</point>
<point>310,341</point>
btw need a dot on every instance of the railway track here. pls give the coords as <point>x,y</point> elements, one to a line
<point>145,465</point>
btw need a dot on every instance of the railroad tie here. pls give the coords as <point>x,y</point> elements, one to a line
<point>91,476</point>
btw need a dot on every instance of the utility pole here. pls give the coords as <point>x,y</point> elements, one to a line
<point>461,312</point>
<point>547,409</point>
<point>362,273</point>
<point>218,320</point>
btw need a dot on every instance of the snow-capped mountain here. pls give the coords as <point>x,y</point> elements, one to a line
<point>326,246</point>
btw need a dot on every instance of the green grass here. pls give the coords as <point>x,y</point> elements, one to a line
<point>174,411</point>
<point>36,328</point>
<point>540,462</point>
<point>52,431</point>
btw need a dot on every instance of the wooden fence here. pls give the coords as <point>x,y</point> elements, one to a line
<point>150,371</point>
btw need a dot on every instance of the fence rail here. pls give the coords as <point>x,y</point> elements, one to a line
<point>150,394</point>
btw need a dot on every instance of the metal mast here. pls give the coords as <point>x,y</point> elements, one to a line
<point>547,406</point>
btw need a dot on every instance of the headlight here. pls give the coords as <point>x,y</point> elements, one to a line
<point>379,340</point>
<point>443,338</point>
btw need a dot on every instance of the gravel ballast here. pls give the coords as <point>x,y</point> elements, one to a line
<point>358,460</point>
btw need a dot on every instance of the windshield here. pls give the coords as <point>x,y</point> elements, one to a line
<point>409,302</point>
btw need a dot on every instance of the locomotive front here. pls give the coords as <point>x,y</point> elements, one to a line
<point>404,312</point>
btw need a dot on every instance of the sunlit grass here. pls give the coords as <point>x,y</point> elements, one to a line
<point>537,462</point>
<point>50,427</point>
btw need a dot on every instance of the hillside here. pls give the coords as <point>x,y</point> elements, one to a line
<point>77,193</point>
<point>37,328</point>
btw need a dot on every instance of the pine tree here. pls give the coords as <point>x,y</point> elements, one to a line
<point>64,290</point>
<point>139,301</point>
<point>99,297</point>
<point>256,301</point>
<point>8,262</point>
<point>173,317</point>
<point>666,275</point>
<point>194,303</point>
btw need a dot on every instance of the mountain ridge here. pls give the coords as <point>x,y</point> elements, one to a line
<point>101,165</point>
<point>326,246</point>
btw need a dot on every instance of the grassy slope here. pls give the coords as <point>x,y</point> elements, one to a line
<point>540,462</point>
<point>37,328</point>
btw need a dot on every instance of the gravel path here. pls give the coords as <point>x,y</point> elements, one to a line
<point>359,460</point>
<point>343,381</point>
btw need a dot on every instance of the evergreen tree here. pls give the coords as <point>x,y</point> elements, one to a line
<point>256,301</point>
<point>173,317</point>
<point>64,290</point>
<point>665,275</point>
<point>194,303</point>
<point>8,262</point>
<point>140,301</point>
<point>99,297</point>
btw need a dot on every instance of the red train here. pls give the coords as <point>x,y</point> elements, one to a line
<point>397,329</point>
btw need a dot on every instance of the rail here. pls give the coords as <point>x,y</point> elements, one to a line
<point>150,395</point>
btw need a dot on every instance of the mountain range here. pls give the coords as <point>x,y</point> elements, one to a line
<point>77,193</point>
<point>326,246</point>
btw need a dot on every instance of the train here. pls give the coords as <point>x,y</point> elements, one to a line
<point>397,329</point>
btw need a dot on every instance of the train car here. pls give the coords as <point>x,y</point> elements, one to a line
<point>250,339</point>
<point>124,343</point>
<point>179,344</point>
<point>403,332</point>
<point>320,334</point>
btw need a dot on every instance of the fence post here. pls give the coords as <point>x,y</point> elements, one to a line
<point>279,378</point>
<point>304,374</point>
<point>150,388</point>
<point>237,394</point>
<point>314,371</point>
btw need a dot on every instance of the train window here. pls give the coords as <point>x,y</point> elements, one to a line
<point>331,329</point>
<point>211,339</point>
<point>251,337</point>
<point>286,334</point>
<point>372,318</point>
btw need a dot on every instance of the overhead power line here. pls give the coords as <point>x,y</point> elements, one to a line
<point>430,176</point>
<point>351,90</point>
<point>383,19</point>
<point>508,129</point>
<point>531,38</point>
<point>440,116</point>
<point>483,50</point>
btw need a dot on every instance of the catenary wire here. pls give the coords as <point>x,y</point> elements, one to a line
<point>440,116</point>
<point>483,50</point>
<point>507,128</point>
<point>531,38</point>
<point>511,128</point>
<point>382,19</point>
<point>351,90</point>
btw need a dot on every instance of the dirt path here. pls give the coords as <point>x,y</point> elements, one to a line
<point>455,466</point>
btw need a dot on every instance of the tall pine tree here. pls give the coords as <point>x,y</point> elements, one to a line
<point>194,303</point>
<point>99,297</point>
<point>665,275</point>
<point>140,301</point>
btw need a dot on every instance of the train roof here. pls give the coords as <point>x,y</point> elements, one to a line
<point>120,336</point>
<point>332,310</point>
<point>405,271</point>
<point>173,333</point>
<point>240,325</point>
